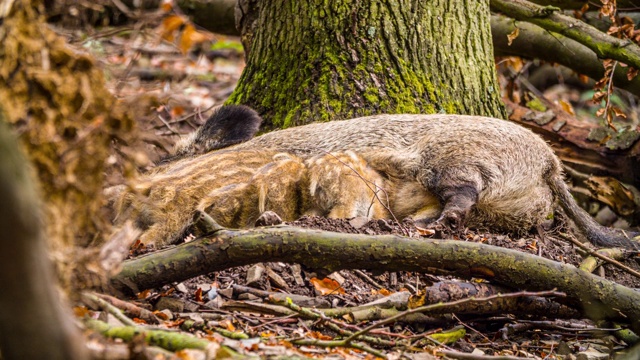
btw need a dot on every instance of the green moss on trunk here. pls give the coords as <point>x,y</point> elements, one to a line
<point>314,60</point>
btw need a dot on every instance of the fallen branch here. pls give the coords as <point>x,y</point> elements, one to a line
<point>93,301</point>
<point>172,341</point>
<point>448,306</point>
<point>130,309</point>
<point>600,255</point>
<point>443,292</point>
<point>327,252</point>
<point>465,356</point>
<point>534,42</point>
<point>550,18</point>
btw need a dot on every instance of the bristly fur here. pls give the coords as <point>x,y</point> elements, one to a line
<point>483,170</point>
<point>236,186</point>
<point>452,168</point>
<point>228,125</point>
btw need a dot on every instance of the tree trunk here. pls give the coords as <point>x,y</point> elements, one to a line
<point>66,120</point>
<point>316,61</point>
<point>33,325</point>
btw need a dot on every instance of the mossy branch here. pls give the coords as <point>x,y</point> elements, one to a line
<point>172,341</point>
<point>534,42</point>
<point>327,251</point>
<point>605,46</point>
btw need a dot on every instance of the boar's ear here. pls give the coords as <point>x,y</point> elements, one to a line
<point>229,125</point>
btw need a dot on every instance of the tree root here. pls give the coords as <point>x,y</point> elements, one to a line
<point>327,252</point>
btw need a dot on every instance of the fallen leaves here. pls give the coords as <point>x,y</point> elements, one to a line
<point>180,31</point>
<point>327,286</point>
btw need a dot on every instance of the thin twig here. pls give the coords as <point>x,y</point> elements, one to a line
<point>466,356</point>
<point>368,278</point>
<point>166,123</point>
<point>600,256</point>
<point>427,308</point>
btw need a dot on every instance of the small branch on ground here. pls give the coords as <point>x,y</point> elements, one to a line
<point>130,309</point>
<point>427,308</point>
<point>600,255</point>
<point>93,301</point>
<point>169,340</point>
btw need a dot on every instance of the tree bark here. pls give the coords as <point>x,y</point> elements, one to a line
<point>33,324</point>
<point>533,42</point>
<point>317,61</point>
<point>328,252</point>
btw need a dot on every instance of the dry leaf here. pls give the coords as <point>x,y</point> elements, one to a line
<point>583,78</point>
<point>170,25</point>
<point>632,73</point>
<point>173,324</point>
<point>327,286</point>
<point>514,34</point>
<point>176,111</point>
<point>166,5</point>
<point>226,323</point>
<point>566,107</point>
<point>190,37</point>
<point>199,295</point>
<point>184,354</point>
<point>416,300</point>
<point>143,294</point>
<point>320,336</point>
<point>599,95</point>
<point>425,232</point>
<point>168,292</point>
<point>619,112</point>
<point>514,62</point>
<point>384,292</point>
<point>161,315</point>
<point>81,311</point>
<point>613,193</point>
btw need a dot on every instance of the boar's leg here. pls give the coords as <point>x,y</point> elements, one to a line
<point>458,190</point>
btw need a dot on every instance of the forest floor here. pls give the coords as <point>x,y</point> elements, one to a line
<point>187,87</point>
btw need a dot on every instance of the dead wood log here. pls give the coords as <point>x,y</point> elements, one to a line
<point>327,252</point>
<point>569,138</point>
<point>439,292</point>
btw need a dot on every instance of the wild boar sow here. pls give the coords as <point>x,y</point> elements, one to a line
<point>437,169</point>
<point>481,169</point>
